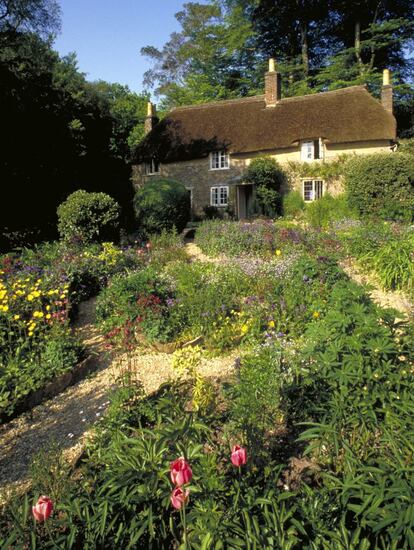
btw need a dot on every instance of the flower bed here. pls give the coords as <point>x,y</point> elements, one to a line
<point>298,449</point>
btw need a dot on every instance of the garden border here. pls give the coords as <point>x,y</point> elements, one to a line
<point>53,388</point>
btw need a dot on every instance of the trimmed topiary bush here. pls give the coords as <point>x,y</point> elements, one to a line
<point>87,217</point>
<point>161,205</point>
<point>382,185</point>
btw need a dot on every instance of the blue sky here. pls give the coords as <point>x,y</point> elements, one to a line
<point>107,35</point>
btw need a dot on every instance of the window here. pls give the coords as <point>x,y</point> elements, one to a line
<point>219,160</point>
<point>312,190</point>
<point>152,167</point>
<point>219,196</point>
<point>311,150</point>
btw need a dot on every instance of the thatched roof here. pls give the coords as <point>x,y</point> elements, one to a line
<point>246,125</point>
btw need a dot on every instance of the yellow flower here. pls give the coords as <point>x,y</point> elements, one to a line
<point>4,308</point>
<point>30,297</point>
<point>244,329</point>
<point>30,333</point>
<point>3,293</point>
<point>62,296</point>
<point>278,252</point>
<point>316,314</point>
<point>48,316</point>
<point>271,324</point>
<point>36,293</point>
<point>38,314</point>
<point>48,308</point>
<point>16,317</point>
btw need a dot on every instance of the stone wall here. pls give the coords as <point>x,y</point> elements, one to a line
<point>197,176</point>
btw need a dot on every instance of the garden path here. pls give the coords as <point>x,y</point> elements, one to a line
<point>67,419</point>
<point>387,299</point>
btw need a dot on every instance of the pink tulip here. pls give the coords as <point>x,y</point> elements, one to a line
<point>148,245</point>
<point>43,508</point>
<point>179,497</point>
<point>238,456</point>
<point>180,472</point>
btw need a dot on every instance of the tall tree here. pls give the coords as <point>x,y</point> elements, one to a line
<point>38,16</point>
<point>210,58</point>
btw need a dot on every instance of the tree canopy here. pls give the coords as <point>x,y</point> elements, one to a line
<point>222,48</point>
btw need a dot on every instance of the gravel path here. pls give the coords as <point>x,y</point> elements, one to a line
<point>388,299</point>
<point>68,417</point>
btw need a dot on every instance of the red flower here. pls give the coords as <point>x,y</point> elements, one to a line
<point>179,497</point>
<point>238,456</point>
<point>180,471</point>
<point>43,508</point>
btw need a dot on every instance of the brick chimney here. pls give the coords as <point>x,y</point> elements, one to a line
<point>386,91</point>
<point>151,119</point>
<point>273,85</point>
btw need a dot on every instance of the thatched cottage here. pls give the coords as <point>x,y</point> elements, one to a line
<point>208,146</point>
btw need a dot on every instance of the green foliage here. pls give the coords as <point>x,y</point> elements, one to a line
<point>137,303</point>
<point>236,239</point>
<point>386,251</point>
<point>327,209</point>
<point>256,408</point>
<point>161,205</point>
<point>167,247</point>
<point>293,204</point>
<point>86,217</point>
<point>381,185</point>
<point>266,174</point>
<point>32,365</point>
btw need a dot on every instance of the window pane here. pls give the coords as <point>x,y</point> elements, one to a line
<point>318,186</point>
<point>214,196</point>
<point>307,150</point>
<point>223,196</point>
<point>308,190</point>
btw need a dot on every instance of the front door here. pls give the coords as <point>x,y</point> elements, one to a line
<point>244,201</point>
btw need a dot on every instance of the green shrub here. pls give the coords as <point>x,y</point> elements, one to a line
<point>381,185</point>
<point>293,204</point>
<point>256,400</point>
<point>86,217</point>
<point>393,263</point>
<point>322,212</point>
<point>269,179</point>
<point>167,247</point>
<point>162,205</point>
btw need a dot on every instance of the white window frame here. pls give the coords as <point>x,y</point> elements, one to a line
<point>152,168</point>
<point>317,189</point>
<point>219,160</point>
<point>219,195</point>
<point>307,150</point>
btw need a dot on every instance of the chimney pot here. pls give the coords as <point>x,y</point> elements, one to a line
<point>151,119</point>
<point>386,91</point>
<point>273,85</point>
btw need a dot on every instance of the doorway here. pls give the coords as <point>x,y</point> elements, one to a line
<point>244,201</point>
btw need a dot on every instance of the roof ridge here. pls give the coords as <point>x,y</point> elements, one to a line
<point>249,99</point>
<point>261,97</point>
<point>333,92</point>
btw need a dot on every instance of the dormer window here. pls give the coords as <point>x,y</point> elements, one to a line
<point>152,167</point>
<point>219,160</point>
<point>311,150</point>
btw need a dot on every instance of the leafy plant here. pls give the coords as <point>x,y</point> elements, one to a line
<point>85,217</point>
<point>162,205</point>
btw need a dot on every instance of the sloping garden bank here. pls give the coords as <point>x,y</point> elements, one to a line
<point>320,402</point>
